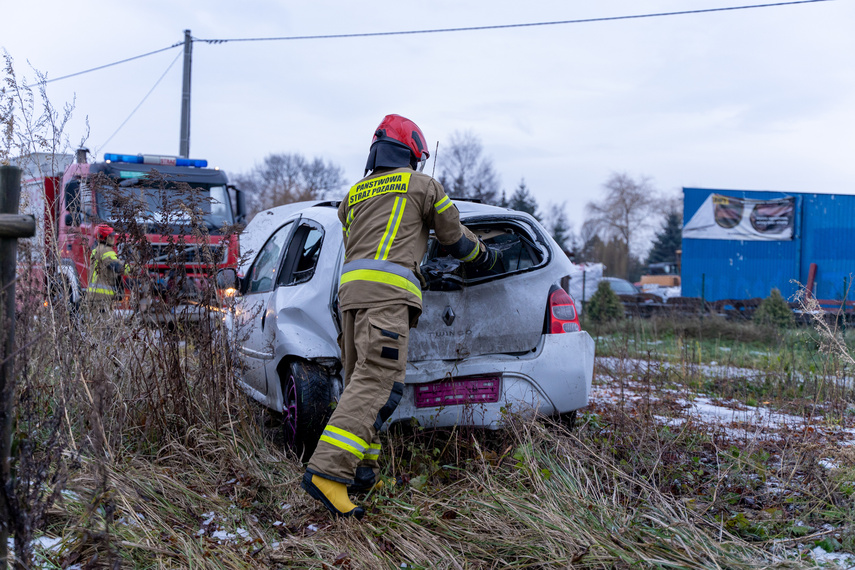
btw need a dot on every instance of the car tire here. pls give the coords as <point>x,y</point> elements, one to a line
<point>568,419</point>
<point>308,403</point>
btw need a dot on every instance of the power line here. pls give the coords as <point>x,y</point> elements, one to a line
<point>156,83</point>
<point>507,26</point>
<point>445,30</point>
<point>114,63</point>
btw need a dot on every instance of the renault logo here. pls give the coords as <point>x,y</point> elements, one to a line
<point>448,316</point>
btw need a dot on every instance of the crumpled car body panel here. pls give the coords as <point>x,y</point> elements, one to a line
<point>497,328</point>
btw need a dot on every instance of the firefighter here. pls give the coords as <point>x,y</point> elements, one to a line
<point>386,219</point>
<point>106,270</point>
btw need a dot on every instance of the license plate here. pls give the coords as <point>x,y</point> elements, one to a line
<point>459,392</point>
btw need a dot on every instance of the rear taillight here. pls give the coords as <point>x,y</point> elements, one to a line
<point>561,312</point>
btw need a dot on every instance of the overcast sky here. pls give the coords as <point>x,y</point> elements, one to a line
<point>760,99</point>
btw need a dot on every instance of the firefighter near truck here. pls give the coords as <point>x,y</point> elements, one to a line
<point>175,222</point>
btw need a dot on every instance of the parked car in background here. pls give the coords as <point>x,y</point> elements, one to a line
<point>635,301</point>
<point>621,286</point>
<point>487,341</point>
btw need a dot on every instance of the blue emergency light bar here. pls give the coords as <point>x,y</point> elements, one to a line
<point>155,159</point>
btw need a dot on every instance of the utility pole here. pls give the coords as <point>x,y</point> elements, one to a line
<point>12,227</point>
<point>185,97</point>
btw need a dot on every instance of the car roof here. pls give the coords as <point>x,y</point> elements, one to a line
<point>468,207</point>
<point>265,222</point>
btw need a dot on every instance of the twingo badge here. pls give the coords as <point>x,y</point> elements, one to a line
<point>376,186</point>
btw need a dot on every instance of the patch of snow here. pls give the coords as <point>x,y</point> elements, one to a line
<point>828,464</point>
<point>313,527</point>
<point>842,560</point>
<point>737,420</point>
<point>47,543</point>
<point>70,495</point>
<point>222,535</point>
<point>133,519</point>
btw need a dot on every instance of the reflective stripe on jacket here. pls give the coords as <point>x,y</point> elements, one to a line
<point>103,275</point>
<point>386,219</point>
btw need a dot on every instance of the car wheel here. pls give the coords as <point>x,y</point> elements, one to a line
<point>568,419</point>
<point>307,406</point>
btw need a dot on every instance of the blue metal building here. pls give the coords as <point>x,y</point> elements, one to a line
<point>822,231</point>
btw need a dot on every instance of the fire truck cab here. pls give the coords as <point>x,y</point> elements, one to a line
<point>160,184</point>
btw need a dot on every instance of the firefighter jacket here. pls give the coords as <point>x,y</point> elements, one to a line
<point>105,272</point>
<point>386,219</point>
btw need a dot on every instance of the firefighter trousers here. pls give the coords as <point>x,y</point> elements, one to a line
<point>374,356</point>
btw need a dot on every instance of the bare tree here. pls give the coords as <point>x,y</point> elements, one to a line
<point>624,214</point>
<point>465,172</point>
<point>286,178</point>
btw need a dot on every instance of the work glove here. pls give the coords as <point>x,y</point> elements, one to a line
<point>488,258</point>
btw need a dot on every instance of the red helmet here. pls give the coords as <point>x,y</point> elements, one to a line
<point>404,131</point>
<point>103,231</point>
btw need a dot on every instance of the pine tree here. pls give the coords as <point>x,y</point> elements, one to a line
<point>668,241</point>
<point>604,304</point>
<point>561,229</point>
<point>774,311</point>
<point>524,201</point>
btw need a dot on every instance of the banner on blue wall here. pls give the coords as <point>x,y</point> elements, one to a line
<point>726,217</point>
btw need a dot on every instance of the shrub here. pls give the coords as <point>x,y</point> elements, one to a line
<point>774,311</point>
<point>604,304</point>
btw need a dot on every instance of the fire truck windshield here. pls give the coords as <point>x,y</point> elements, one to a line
<point>168,205</point>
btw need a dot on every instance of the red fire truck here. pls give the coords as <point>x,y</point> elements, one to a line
<point>69,208</point>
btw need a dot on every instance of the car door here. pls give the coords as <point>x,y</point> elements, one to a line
<point>255,340</point>
<point>302,303</point>
<point>468,312</point>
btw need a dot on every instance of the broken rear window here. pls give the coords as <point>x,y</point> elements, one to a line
<point>520,252</point>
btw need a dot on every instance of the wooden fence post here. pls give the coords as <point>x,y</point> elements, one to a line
<point>12,227</point>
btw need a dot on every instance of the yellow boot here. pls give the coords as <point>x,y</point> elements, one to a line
<point>332,494</point>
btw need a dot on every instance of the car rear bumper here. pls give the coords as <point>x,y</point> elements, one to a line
<point>554,378</point>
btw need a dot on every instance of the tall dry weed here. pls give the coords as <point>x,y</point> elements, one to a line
<point>99,389</point>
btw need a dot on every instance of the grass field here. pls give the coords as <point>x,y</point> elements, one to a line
<point>139,452</point>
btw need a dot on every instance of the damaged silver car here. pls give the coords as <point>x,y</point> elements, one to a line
<point>487,342</point>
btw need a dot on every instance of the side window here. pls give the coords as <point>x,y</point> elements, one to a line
<point>72,201</point>
<point>85,198</point>
<point>262,274</point>
<point>303,253</point>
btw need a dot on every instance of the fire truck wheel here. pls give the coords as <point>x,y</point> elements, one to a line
<point>308,404</point>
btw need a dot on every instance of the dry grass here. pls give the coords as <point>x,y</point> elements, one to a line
<point>159,462</point>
